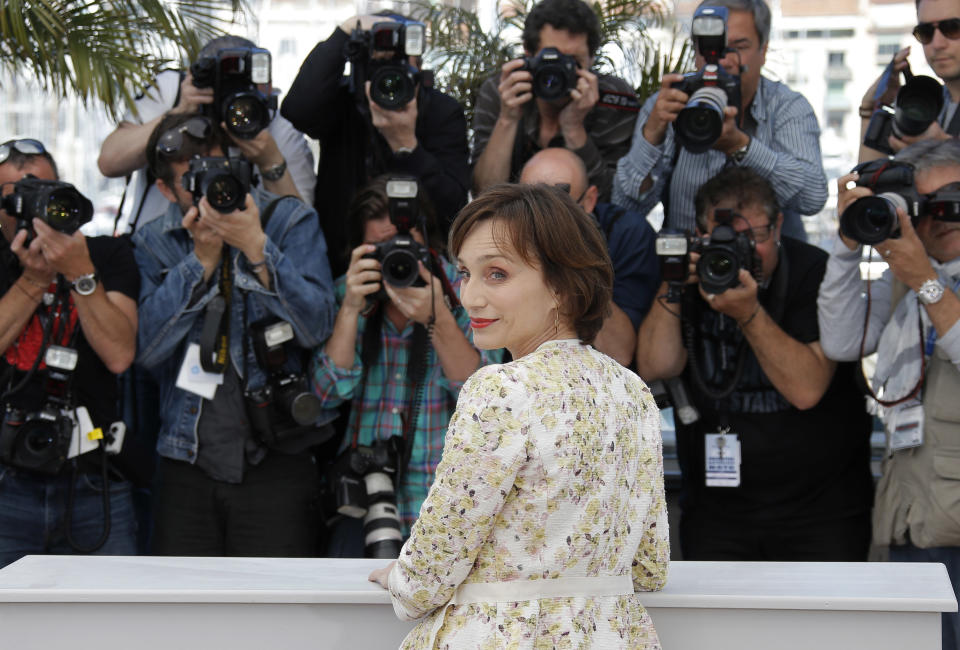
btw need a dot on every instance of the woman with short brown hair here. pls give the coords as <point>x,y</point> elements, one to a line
<point>547,511</point>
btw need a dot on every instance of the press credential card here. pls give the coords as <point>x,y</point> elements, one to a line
<point>194,378</point>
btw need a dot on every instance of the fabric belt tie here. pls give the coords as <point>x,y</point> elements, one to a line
<point>516,590</point>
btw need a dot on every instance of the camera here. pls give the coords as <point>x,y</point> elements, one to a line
<point>916,107</point>
<point>711,88</point>
<point>57,204</point>
<point>224,181</point>
<point>364,479</point>
<point>554,73</point>
<point>398,256</point>
<point>722,255</point>
<point>38,439</point>
<point>234,74</point>
<point>285,407</point>
<point>871,219</point>
<point>380,56</point>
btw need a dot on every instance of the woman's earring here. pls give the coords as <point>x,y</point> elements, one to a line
<point>556,321</point>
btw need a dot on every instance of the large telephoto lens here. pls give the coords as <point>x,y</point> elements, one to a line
<point>700,123</point>
<point>391,86</point>
<point>381,525</point>
<point>872,219</point>
<point>245,115</point>
<point>918,105</point>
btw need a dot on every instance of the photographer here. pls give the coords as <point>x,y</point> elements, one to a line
<point>211,280</point>
<point>772,130</point>
<point>425,138</point>
<point>398,354</point>
<point>777,466</point>
<point>912,307</point>
<point>280,153</point>
<point>630,242</point>
<point>514,119</point>
<point>938,30</point>
<point>60,288</point>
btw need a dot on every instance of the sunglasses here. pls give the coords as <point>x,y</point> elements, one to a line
<point>950,28</point>
<point>171,141</point>
<point>26,146</point>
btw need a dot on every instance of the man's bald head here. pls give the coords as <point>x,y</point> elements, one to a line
<point>557,165</point>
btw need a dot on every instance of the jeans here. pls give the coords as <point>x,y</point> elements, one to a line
<point>33,514</point>
<point>949,556</point>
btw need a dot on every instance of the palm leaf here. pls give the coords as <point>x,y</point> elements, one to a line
<point>105,51</point>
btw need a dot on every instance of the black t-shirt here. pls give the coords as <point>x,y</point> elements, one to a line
<point>93,384</point>
<point>796,466</point>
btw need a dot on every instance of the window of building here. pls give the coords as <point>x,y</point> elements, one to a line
<point>814,33</point>
<point>841,33</point>
<point>835,119</point>
<point>835,58</point>
<point>836,87</point>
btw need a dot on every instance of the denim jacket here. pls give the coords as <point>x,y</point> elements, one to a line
<point>173,297</point>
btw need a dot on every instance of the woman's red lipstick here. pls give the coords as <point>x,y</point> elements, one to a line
<point>480,323</point>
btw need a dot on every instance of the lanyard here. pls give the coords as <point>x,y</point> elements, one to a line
<point>932,334</point>
<point>214,337</point>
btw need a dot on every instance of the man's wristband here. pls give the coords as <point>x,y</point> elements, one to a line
<point>275,172</point>
<point>36,299</point>
<point>866,112</point>
<point>756,311</point>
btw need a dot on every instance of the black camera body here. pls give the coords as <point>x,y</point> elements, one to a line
<point>722,255</point>
<point>57,204</point>
<point>711,88</point>
<point>38,439</point>
<point>398,256</point>
<point>235,75</point>
<point>285,407</point>
<point>380,56</point>
<point>364,479</point>
<point>224,181</point>
<point>554,73</point>
<point>917,106</point>
<point>872,219</point>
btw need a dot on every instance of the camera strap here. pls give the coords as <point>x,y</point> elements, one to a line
<point>215,335</point>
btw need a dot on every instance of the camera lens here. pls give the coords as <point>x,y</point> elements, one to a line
<point>62,212</point>
<point>399,267</point>
<point>700,123</point>
<point>550,83</point>
<point>718,269</point>
<point>918,105</point>
<point>224,192</point>
<point>381,531</point>
<point>871,219</point>
<point>392,86</point>
<point>305,408</point>
<point>245,115</point>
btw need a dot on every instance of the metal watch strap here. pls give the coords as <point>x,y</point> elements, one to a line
<point>275,172</point>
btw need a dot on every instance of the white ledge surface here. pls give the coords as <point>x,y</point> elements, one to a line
<point>910,587</point>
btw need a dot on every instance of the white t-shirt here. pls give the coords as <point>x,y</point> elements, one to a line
<point>160,98</point>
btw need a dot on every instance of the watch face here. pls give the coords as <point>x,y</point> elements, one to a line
<point>85,285</point>
<point>931,292</point>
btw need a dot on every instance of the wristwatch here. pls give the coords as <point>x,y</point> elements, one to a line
<point>741,153</point>
<point>930,292</point>
<point>274,173</point>
<point>86,284</point>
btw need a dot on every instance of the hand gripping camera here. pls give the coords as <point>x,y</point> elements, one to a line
<point>57,204</point>
<point>224,181</point>
<point>722,255</point>
<point>554,73</point>
<point>398,256</point>
<point>380,56</point>
<point>236,74</point>
<point>872,219</point>
<point>916,107</point>
<point>711,88</point>
<point>364,487</point>
<point>285,407</point>
<point>39,439</point>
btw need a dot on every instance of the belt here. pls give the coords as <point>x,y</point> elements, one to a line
<point>516,590</point>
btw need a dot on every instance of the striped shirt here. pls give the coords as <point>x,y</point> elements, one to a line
<point>784,149</point>
<point>388,392</point>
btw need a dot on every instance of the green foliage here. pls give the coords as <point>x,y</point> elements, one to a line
<point>463,55</point>
<point>105,50</point>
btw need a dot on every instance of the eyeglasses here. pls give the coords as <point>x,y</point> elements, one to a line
<point>26,146</point>
<point>762,233</point>
<point>171,141</point>
<point>565,188</point>
<point>950,28</point>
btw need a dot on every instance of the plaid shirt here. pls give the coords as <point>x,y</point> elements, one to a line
<point>383,404</point>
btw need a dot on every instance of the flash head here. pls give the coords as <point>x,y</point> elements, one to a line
<point>61,358</point>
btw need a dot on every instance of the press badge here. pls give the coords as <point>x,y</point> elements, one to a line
<point>723,459</point>
<point>81,440</point>
<point>193,378</point>
<point>905,424</point>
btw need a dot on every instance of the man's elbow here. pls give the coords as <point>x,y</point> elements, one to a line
<point>119,362</point>
<point>807,397</point>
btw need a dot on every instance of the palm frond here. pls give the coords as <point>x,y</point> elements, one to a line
<point>105,50</point>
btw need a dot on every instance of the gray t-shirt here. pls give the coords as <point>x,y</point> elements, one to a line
<point>226,442</point>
